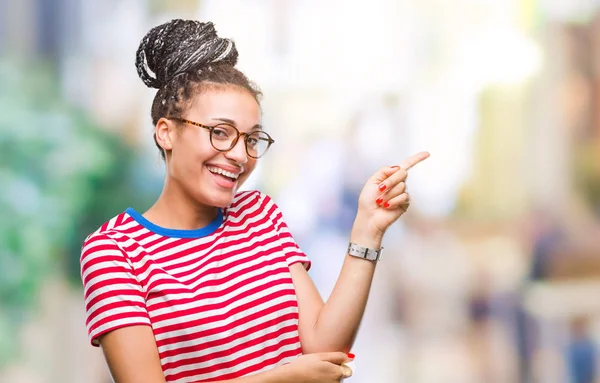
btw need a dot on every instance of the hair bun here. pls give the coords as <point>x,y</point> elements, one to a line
<point>181,46</point>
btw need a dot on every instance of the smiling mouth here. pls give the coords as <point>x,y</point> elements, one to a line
<point>224,173</point>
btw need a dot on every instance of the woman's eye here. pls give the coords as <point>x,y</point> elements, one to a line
<point>220,133</point>
<point>252,142</point>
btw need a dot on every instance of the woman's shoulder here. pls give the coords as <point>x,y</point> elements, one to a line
<point>252,201</point>
<point>105,231</point>
<point>249,197</point>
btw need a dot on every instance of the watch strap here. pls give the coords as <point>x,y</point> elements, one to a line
<point>364,252</point>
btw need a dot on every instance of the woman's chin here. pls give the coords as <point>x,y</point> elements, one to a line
<point>222,205</point>
<point>221,200</point>
<point>215,196</point>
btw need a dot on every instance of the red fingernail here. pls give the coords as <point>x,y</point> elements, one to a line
<point>382,187</point>
<point>350,355</point>
<point>379,200</point>
<point>386,205</point>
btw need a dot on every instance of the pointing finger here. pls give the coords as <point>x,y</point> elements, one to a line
<point>413,160</point>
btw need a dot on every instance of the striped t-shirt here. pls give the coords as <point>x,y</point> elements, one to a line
<point>220,299</point>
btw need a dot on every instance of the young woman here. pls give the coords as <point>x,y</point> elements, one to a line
<point>208,284</point>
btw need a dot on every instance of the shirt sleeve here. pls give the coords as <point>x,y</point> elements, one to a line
<point>114,298</point>
<point>292,251</point>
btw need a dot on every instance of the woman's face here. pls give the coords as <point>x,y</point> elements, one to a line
<point>194,164</point>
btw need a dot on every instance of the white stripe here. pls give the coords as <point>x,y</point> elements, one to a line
<point>196,291</point>
<point>194,297</point>
<point>283,361</point>
<point>236,355</point>
<point>240,366</point>
<point>225,323</point>
<point>100,264</point>
<point>250,259</point>
<point>246,230</point>
<point>108,313</point>
<point>118,323</point>
<point>201,264</point>
<point>223,347</point>
<point>223,310</point>
<point>130,294</point>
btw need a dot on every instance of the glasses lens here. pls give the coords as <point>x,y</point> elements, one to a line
<point>222,136</point>
<point>257,143</point>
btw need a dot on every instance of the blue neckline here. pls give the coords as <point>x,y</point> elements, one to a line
<point>177,233</point>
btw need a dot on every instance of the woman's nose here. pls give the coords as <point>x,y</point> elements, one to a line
<point>238,152</point>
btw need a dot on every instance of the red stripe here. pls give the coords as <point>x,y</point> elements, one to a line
<point>218,282</point>
<point>199,262</point>
<point>115,318</point>
<point>200,312</point>
<point>230,364</point>
<point>205,272</point>
<point>216,306</point>
<point>215,318</point>
<point>242,199</point>
<point>113,268</point>
<point>232,350</point>
<point>98,243</point>
<point>119,219</point>
<point>217,329</point>
<point>121,293</point>
<point>259,366</point>
<point>156,241</point>
<point>235,218</point>
<point>205,245</point>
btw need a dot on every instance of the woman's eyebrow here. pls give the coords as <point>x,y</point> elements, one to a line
<point>225,120</point>
<point>231,122</point>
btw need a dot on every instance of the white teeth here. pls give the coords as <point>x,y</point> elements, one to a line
<point>223,172</point>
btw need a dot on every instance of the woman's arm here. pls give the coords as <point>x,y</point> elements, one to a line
<point>333,325</point>
<point>132,357</point>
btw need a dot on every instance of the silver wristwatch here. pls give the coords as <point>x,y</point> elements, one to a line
<point>364,252</point>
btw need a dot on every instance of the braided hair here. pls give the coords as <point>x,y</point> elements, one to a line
<point>181,58</point>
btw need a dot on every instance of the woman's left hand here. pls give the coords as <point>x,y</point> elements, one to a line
<point>384,198</point>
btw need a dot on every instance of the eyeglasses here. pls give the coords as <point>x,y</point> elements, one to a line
<point>223,137</point>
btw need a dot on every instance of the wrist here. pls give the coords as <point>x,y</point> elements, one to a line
<point>366,241</point>
<point>283,374</point>
<point>365,235</point>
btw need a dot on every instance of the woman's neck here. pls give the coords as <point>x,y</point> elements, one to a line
<point>175,209</point>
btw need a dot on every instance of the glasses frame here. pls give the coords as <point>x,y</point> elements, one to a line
<point>210,128</point>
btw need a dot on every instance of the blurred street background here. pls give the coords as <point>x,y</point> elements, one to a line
<point>492,277</point>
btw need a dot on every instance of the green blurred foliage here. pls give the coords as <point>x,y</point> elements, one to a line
<point>587,173</point>
<point>61,178</point>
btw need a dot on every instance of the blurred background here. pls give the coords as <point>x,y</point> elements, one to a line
<point>493,275</point>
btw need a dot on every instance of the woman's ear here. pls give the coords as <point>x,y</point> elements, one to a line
<point>164,132</point>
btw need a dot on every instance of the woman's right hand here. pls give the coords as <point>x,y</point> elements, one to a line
<point>319,368</point>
